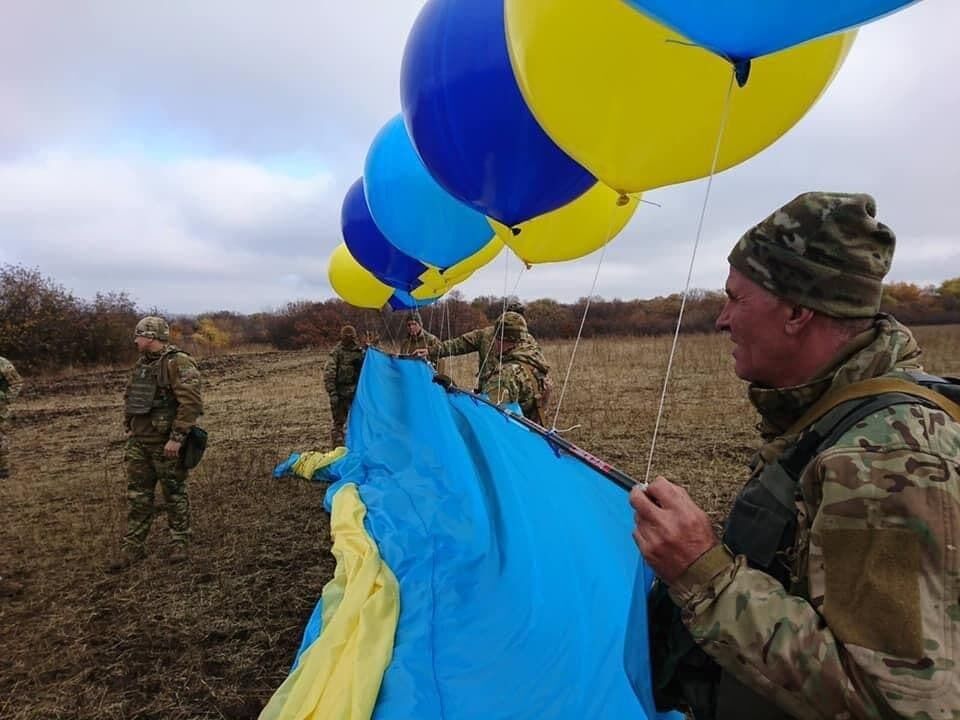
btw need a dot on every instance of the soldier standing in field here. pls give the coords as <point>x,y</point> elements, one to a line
<point>10,386</point>
<point>482,342</point>
<point>340,377</point>
<point>521,376</point>
<point>162,402</point>
<point>833,592</point>
<point>417,338</point>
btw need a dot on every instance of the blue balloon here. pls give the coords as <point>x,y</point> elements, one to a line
<point>401,300</point>
<point>740,30</point>
<point>469,122</point>
<point>371,249</point>
<point>419,217</point>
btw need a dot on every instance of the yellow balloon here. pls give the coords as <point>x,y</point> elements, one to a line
<point>353,282</point>
<point>639,107</point>
<point>435,282</point>
<point>574,230</point>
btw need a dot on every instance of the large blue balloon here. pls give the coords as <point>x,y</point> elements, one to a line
<point>469,122</point>
<point>371,249</point>
<point>744,29</point>
<point>418,216</point>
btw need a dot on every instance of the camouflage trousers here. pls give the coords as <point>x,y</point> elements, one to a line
<point>146,466</point>
<point>4,447</point>
<point>339,410</point>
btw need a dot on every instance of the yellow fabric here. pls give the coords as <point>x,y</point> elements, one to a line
<point>638,107</point>
<point>339,675</point>
<point>574,230</point>
<point>434,282</point>
<point>309,462</point>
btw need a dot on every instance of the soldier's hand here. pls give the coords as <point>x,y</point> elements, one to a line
<point>421,353</point>
<point>671,530</point>
<point>171,449</point>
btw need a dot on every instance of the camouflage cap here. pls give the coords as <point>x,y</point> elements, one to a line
<point>348,332</point>
<point>511,326</point>
<point>414,316</point>
<point>516,306</point>
<point>825,251</point>
<point>153,327</point>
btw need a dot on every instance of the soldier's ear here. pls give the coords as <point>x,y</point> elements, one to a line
<point>798,320</point>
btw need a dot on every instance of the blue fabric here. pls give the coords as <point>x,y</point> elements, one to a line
<point>412,210</point>
<point>746,29</point>
<point>515,564</point>
<point>469,122</point>
<point>371,248</point>
<point>286,466</point>
<point>401,300</point>
<point>310,633</point>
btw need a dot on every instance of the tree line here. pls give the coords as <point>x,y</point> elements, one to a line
<point>45,327</point>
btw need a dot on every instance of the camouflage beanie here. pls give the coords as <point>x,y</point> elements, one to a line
<point>414,316</point>
<point>511,326</point>
<point>348,332</point>
<point>516,306</point>
<point>825,251</point>
<point>154,328</point>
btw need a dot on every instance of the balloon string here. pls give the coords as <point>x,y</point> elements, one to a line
<point>686,290</point>
<point>583,320</point>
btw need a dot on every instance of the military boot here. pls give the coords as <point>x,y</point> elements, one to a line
<point>179,554</point>
<point>4,473</point>
<point>127,556</point>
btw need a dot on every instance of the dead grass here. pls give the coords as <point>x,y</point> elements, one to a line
<point>213,639</point>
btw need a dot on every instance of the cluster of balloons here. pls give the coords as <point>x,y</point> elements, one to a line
<point>537,124</point>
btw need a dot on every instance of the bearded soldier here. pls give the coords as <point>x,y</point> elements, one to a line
<point>340,377</point>
<point>161,404</point>
<point>833,592</point>
<point>10,385</point>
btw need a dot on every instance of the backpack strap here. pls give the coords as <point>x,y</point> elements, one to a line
<point>869,388</point>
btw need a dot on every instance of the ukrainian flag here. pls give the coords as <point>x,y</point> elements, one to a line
<point>480,574</point>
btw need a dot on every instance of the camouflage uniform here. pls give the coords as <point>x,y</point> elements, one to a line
<point>481,342</point>
<point>522,376</point>
<point>162,402</point>
<point>10,386</point>
<point>340,377</point>
<point>866,622</point>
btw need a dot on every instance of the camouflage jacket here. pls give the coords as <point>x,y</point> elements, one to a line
<point>342,371</point>
<point>179,401</point>
<point>870,626</point>
<point>480,341</point>
<point>11,385</point>
<point>423,341</point>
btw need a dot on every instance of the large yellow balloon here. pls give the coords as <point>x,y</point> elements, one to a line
<point>353,282</point>
<point>639,107</point>
<point>435,282</point>
<point>574,230</point>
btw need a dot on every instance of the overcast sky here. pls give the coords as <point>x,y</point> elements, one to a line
<point>195,154</point>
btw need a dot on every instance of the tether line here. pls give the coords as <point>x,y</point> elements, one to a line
<point>686,290</point>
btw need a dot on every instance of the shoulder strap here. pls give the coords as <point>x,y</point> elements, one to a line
<point>869,388</point>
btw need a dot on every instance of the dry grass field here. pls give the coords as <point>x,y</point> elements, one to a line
<point>214,638</point>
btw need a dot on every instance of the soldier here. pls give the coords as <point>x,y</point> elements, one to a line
<point>340,376</point>
<point>162,402</point>
<point>10,385</point>
<point>481,341</point>
<point>833,593</point>
<point>521,376</point>
<point>417,338</point>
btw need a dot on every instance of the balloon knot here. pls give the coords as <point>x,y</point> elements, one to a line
<point>515,231</point>
<point>624,199</point>
<point>741,70</point>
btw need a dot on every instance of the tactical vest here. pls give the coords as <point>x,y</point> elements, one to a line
<point>150,388</point>
<point>762,526</point>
